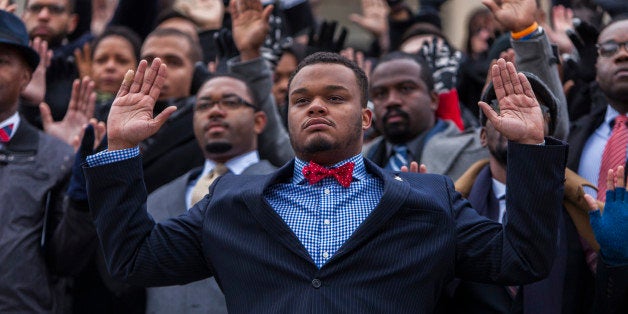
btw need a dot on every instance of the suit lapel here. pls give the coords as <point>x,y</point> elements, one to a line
<point>395,193</point>
<point>268,217</point>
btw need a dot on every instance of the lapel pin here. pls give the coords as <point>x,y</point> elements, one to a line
<point>398,178</point>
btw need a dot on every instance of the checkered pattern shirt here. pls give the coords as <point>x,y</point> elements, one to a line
<point>324,215</point>
<point>111,156</point>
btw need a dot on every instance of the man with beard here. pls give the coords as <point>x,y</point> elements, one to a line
<point>568,287</point>
<point>51,21</point>
<point>402,90</point>
<point>226,126</point>
<point>330,231</point>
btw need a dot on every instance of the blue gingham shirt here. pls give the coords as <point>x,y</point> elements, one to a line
<point>324,215</point>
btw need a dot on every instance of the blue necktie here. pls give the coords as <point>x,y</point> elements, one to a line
<point>399,158</point>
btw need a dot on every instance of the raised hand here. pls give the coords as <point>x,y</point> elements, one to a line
<point>444,61</point>
<point>207,14</point>
<point>609,227</point>
<point>131,119</point>
<point>80,111</point>
<point>35,91</point>
<point>520,118</point>
<point>562,22</point>
<point>83,57</point>
<point>358,57</point>
<point>374,19</point>
<point>323,40</point>
<point>250,26</point>
<point>513,15</point>
<point>6,6</point>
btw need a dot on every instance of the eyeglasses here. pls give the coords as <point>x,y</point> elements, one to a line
<point>610,48</point>
<point>227,103</point>
<point>52,8</point>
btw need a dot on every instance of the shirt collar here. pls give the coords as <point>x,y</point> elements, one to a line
<point>499,189</point>
<point>15,120</point>
<point>359,170</point>
<point>236,165</point>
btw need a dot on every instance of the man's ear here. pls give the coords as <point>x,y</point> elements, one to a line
<point>367,118</point>
<point>72,23</point>
<point>483,137</point>
<point>434,101</point>
<point>259,121</point>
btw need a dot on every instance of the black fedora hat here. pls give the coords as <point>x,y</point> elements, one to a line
<point>545,97</point>
<point>13,33</point>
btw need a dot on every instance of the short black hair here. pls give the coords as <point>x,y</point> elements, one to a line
<point>334,58</point>
<point>120,31</point>
<point>426,71</point>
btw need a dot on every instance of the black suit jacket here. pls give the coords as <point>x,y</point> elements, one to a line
<point>420,235</point>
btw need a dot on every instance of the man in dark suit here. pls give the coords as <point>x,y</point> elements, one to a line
<point>589,136</point>
<point>227,135</point>
<point>569,286</point>
<point>349,238</point>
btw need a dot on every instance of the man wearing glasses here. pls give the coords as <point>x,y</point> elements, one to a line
<point>599,140</point>
<point>49,22</point>
<point>226,126</point>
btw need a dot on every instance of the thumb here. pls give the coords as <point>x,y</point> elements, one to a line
<point>592,203</point>
<point>161,118</point>
<point>46,115</point>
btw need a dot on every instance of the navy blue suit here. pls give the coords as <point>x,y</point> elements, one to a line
<point>421,235</point>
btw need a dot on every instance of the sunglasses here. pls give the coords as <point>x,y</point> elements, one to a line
<point>610,48</point>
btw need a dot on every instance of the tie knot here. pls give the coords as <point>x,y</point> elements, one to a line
<point>401,149</point>
<point>5,133</point>
<point>314,172</point>
<point>219,169</point>
<point>620,121</point>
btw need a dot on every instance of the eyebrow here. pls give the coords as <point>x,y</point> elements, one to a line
<point>222,96</point>
<point>328,88</point>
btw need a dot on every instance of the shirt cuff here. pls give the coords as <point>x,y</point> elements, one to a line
<point>111,156</point>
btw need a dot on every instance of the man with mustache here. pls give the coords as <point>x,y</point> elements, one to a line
<point>402,90</point>
<point>226,125</point>
<point>330,232</point>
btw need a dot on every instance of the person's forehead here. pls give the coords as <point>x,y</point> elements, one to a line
<point>618,31</point>
<point>396,70</point>
<point>223,85</point>
<point>325,74</point>
<point>162,45</point>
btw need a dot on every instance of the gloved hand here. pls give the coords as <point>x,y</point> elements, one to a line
<point>584,37</point>
<point>611,228</point>
<point>77,189</point>
<point>226,48</point>
<point>444,62</point>
<point>324,39</point>
<point>276,41</point>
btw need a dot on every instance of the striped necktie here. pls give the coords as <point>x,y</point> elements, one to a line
<point>399,158</point>
<point>201,188</point>
<point>5,133</point>
<point>614,154</point>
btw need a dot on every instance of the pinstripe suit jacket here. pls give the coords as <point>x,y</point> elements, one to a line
<point>420,235</point>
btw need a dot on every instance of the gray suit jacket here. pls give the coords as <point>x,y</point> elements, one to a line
<point>447,152</point>
<point>203,296</point>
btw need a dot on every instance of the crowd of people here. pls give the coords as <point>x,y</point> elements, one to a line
<point>210,156</point>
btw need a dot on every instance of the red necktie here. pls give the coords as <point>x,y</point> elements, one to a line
<point>614,153</point>
<point>5,133</point>
<point>314,172</point>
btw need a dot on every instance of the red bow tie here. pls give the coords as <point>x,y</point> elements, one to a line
<point>314,172</point>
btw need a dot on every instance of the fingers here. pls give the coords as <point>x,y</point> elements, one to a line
<point>525,84</point>
<point>126,83</point>
<point>594,212</point>
<point>515,79</point>
<point>620,178</point>
<point>423,168</point>
<point>489,112</point>
<point>74,97</point>
<point>496,77</point>
<point>268,10</point>
<point>149,76</point>
<point>507,76</point>
<point>46,115</point>
<point>155,88</point>
<point>139,76</point>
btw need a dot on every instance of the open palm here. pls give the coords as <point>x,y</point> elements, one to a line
<point>131,116</point>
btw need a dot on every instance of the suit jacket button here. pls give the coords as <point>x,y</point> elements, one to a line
<point>316,283</point>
